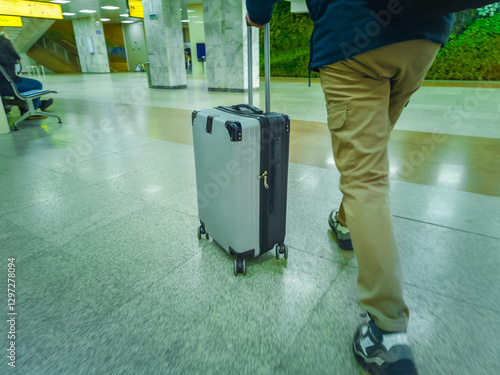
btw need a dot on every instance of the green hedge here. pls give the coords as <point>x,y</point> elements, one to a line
<point>472,53</point>
<point>290,35</point>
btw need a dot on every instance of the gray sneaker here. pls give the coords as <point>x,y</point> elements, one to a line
<point>342,233</point>
<point>383,353</point>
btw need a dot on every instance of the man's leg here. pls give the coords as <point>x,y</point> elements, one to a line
<point>365,96</point>
<point>30,84</point>
<point>360,128</point>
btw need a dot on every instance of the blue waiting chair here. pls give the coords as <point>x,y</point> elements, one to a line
<point>28,97</point>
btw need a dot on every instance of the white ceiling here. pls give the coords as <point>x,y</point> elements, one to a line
<point>76,5</point>
<point>114,15</point>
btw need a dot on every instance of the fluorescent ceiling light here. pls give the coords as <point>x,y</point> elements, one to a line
<point>123,15</point>
<point>69,14</point>
<point>61,1</point>
<point>185,20</point>
<point>105,19</point>
<point>127,21</point>
<point>110,7</point>
<point>191,10</point>
<point>87,11</point>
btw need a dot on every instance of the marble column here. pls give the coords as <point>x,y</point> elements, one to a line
<point>89,36</point>
<point>4,123</point>
<point>226,46</point>
<point>165,44</point>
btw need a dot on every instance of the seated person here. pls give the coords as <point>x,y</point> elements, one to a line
<point>8,59</point>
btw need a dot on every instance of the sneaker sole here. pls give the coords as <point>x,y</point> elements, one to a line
<point>403,367</point>
<point>343,244</point>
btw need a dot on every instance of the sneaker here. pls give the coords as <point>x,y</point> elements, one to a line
<point>383,353</point>
<point>44,104</point>
<point>342,233</point>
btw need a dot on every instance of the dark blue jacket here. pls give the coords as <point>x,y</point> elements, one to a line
<point>345,28</point>
<point>8,59</point>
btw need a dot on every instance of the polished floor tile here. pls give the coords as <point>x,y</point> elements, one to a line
<point>12,168</point>
<point>451,263</point>
<point>18,243</point>
<point>454,209</point>
<point>452,336</point>
<point>61,219</point>
<point>21,190</point>
<point>198,319</point>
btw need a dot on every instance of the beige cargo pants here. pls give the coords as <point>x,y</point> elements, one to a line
<point>365,96</point>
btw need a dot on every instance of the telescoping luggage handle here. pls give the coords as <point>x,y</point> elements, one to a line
<point>267,66</point>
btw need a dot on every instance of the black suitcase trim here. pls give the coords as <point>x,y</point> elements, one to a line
<point>245,254</point>
<point>274,148</point>
<point>210,122</point>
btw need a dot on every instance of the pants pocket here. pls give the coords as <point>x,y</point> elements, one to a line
<point>342,142</point>
<point>337,114</point>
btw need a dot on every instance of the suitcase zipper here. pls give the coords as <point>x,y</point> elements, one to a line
<point>264,176</point>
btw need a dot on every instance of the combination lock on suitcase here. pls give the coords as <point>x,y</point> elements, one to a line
<point>241,159</point>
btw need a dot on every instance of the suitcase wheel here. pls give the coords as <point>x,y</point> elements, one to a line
<point>281,249</point>
<point>240,266</point>
<point>201,231</point>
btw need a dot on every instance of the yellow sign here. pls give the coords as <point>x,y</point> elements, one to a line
<point>135,8</point>
<point>11,21</point>
<point>34,9</point>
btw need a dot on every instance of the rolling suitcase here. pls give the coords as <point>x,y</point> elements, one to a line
<point>241,161</point>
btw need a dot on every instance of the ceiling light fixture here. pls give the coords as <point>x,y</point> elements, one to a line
<point>69,14</point>
<point>61,1</point>
<point>105,19</point>
<point>87,11</point>
<point>110,7</point>
<point>123,15</point>
<point>127,21</point>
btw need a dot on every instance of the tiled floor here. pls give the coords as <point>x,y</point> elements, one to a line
<point>100,214</point>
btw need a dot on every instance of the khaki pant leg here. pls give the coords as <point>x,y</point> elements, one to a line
<point>360,95</point>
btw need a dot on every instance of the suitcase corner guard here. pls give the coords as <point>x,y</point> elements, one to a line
<point>234,129</point>
<point>194,114</point>
<point>246,254</point>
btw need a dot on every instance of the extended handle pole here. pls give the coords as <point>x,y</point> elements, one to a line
<point>267,65</point>
<point>250,65</point>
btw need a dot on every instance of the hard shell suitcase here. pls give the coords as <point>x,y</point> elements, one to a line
<point>241,160</point>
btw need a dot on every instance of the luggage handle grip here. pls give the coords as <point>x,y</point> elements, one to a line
<point>252,108</point>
